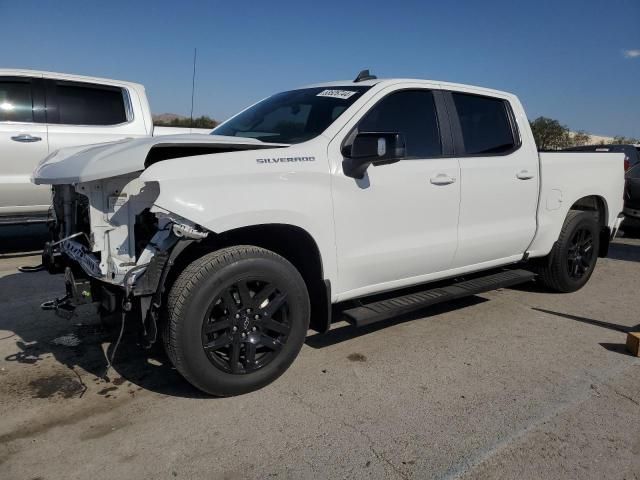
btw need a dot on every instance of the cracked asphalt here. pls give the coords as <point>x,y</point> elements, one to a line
<point>516,383</point>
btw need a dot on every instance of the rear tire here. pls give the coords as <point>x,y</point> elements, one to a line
<point>572,260</point>
<point>236,320</point>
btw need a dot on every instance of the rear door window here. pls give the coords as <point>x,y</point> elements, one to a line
<point>486,125</point>
<point>89,104</point>
<point>16,100</point>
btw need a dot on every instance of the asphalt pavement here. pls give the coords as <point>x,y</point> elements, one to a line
<point>516,383</point>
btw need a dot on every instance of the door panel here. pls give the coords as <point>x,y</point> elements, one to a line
<point>499,181</point>
<point>395,224</point>
<point>497,210</point>
<point>400,220</point>
<point>23,144</point>
<point>21,153</point>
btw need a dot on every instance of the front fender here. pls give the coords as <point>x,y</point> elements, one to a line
<point>223,192</point>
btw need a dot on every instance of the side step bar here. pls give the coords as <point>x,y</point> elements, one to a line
<point>376,311</point>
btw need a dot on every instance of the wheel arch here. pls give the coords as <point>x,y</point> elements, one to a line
<point>292,242</point>
<point>598,205</point>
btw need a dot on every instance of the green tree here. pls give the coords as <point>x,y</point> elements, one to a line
<point>550,134</point>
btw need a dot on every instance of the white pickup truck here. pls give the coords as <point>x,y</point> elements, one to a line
<point>41,112</point>
<point>355,200</point>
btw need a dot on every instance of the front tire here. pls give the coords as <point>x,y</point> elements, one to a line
<point>237,318</point>
<point>572,260</point>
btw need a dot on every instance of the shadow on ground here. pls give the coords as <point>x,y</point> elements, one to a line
<point>79,344</point>
<point>43,335</point>
<point>612,347</point>
<point>348,332</point>
<point>624,251</point>
<point>617,251</point>
<point>17,239</point>
<point>37,336</point>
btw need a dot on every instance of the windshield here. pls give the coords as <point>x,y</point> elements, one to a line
<point>292,117</point>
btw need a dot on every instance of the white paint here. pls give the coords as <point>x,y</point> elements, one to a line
<point>396,227</point>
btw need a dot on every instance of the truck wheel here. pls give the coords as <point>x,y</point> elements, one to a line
<point>571,262</point>
<point>236,320</point>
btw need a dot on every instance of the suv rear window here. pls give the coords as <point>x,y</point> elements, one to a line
<point>88,104</point>
<point>16,102</point>
<point>485,123</point>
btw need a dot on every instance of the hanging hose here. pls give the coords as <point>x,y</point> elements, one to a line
<point>116,345</point>
<point>126,307</point>
<point>31,269</point>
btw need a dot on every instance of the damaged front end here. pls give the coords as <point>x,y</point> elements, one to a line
<point>115,247</point>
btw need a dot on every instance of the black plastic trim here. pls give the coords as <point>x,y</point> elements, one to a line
<point>368,312</point>
<point>323,318</point>
<point>51,99</point>
<point>444,124</point>
<point>39,100</point>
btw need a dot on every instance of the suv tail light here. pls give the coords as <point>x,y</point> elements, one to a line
<point>626,163</point>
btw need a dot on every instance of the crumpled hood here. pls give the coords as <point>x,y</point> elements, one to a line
<point>105,160</point>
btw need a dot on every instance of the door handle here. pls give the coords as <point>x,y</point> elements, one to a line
<point>524,175</point>
<point>25,138</point>
<point>442,179</point>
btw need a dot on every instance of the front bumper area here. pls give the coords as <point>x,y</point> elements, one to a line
<point>139,295</point>
<point>129,288</point>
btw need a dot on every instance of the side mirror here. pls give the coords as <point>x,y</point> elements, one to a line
<point>377,148</point>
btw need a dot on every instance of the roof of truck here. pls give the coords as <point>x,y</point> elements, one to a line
<point>21,72</point>
<point>395,81</point>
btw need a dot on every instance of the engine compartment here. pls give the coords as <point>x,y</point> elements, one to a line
<point>115,247</point>
<point>109,227</point>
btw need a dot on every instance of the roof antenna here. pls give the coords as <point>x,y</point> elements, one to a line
<point>364,75</point>
<point>193,86</point>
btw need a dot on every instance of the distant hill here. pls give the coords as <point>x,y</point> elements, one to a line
<point>166,117</point>
<point>177,120</point>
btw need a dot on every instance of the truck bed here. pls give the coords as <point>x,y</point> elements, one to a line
<point>574,175</point>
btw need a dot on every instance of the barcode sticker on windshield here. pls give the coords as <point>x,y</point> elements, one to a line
<point>343,94</point>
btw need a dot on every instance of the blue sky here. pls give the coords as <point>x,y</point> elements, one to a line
<point>565,59</point>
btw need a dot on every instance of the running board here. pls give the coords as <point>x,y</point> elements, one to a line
<point>376,311</point>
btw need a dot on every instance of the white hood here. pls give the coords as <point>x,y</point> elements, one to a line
<point>105,160</point>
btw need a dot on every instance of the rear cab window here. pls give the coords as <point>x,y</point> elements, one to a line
<point>79,103</point>
<point>487,124</point>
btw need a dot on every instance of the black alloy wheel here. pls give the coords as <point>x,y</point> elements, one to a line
<point>573,257</point>
<point>236,319</point>
<point>246,326</point>
<point>580,254</point>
